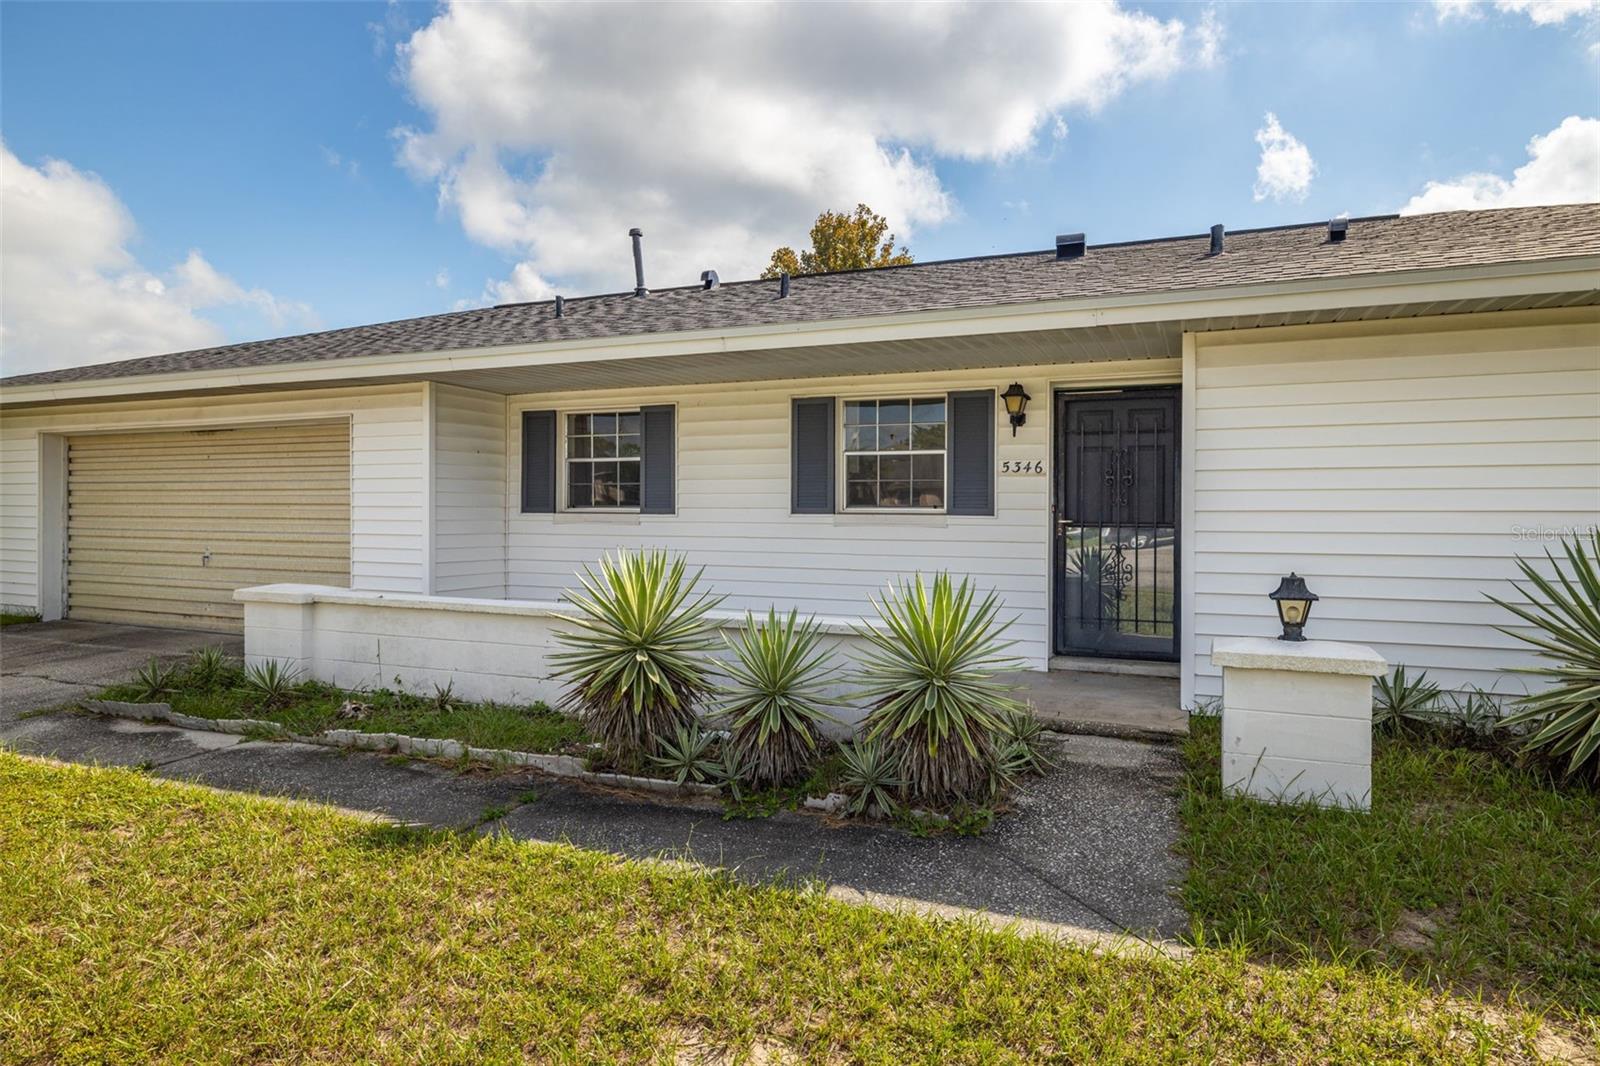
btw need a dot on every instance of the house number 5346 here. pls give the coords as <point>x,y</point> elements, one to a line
<point>1022,466</point>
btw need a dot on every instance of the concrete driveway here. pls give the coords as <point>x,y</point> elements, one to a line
<point>43,664</point>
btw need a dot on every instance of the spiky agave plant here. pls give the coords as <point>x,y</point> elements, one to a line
<point>869,774</point>
<point>271,681</point>
<point>686,756</point>
<point>639,661</point>
<point>210,668</point>
<point>1565,615</point>
<point>931,680</point>
<point>155,679</point>
<point>774,703</point>
<point>1400,699</point>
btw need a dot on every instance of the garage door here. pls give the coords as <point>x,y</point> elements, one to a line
<point>162,527</point>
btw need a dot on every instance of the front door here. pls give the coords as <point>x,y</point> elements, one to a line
<point>1116,493</point>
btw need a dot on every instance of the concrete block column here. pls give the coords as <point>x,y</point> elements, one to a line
<point>1297,720</point>
<point>281,627</point>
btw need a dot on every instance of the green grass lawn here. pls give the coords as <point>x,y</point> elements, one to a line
<point>15,618</point>
<point>312,707</point>
<point>142,921</point>
<point>1468,873</point>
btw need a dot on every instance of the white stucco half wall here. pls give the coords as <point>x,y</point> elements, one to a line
<point>484,649</point>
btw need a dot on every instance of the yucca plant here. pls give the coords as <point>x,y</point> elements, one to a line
<point>271,682</point>
<point>937,705</point>
<point>686,756</point>
<point>869,774</point>
<point>1564,612</point>
<point>775,704</point>
<point>639,662</point>
<point>1401,699</point>
<point>1024,750</point>
<point>155,679</point>
<point>210,668</point>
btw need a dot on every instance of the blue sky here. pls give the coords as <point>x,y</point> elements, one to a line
<point>271,140</point>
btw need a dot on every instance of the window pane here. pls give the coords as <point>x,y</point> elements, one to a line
<point>860,438</point>
<point>861,494</point>
<point>628,423</point>
<point>894,494</point>
<point>894,438</point>
<point>928,493</point>
<point>605,447</point>
<point>577,424</point>
<point>928,410</point>
<point>628,445</point>
<point>927,467</point>
<point>860,412</point>
<point>894,411</point>
<point>605,485</point>
<point>629,491</point>
<point>928,436</point>
<point>894,468</point>
<point>861,468</point>
<point>603,423</point>
<point>578,447</point>
<point>578,493</point>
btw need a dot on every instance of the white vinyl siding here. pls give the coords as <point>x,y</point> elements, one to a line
<point>388,465</point>
<point>1400,473</point>
<point>733,505</point>
<point>469,492</point>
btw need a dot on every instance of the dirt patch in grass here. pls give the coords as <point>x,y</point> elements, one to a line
<point>1469,874</point>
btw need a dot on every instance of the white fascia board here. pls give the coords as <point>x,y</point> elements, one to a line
<point>1575,274</point>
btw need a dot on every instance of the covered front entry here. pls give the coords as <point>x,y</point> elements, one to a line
<point>162,527</point>
<point>1116,534</point>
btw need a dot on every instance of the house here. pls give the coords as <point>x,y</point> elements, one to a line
<point>1394,408</point>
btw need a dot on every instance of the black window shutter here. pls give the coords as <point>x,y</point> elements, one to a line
<point>971,416</point>
<point>538,462</point>
<point>657,482</point>
<point>811,457</point>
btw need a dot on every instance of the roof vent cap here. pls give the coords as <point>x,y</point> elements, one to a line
<point>783,286</point>
<point>1337,229</point>
<point>1070,246</point>
<point>708,279</point>
<point>1217,232</point>
<point>561,306</point>
<point>638,263</point>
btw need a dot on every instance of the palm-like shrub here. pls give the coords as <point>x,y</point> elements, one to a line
<point>869,775</point>
<point>155,679</point>
<point>271,682</point>
<point>936,703</point>
<point>686,756</point>
<point>1401,699</point>
<point>639,663</point>
<point>1565,615</point>
<point>774,703</point>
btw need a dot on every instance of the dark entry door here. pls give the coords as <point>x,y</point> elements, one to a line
<point>1116,524</point>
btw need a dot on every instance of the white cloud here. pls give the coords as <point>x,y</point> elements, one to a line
<point>1286,167</point>
<point>722,131</point>
<point>1563,167</point>
<point>351,167</point>
<point>1209,36</point>
<point>441,280</point>
<point>72,293</point>
<point>1540,12</point>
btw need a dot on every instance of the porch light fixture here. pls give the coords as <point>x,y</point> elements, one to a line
<point>1294,602</point>
<point>1016,398</point>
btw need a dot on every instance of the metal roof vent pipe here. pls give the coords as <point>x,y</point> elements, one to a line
<point>783,286</point>
<point>638,263</point>
<point>709,279</point>
<point>1337,229</point>
<point>1070,246</point>
<point>561,306</point>
<point>1216,238</point>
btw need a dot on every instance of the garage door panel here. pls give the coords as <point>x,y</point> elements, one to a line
<point>163,527</point>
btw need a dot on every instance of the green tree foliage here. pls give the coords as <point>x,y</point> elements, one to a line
<point>842,241</point>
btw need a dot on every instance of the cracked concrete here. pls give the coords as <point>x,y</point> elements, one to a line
<point>1086,847</point>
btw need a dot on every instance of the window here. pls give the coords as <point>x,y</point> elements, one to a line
<point>602,460</point>
<point>894,453</point>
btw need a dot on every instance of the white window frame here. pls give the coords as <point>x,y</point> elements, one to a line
<point>841,456</point>
<point>564,461</point>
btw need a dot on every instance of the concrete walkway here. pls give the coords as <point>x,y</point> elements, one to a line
<point>1112,705</point>
<point>1087,847</point>
<point>43,664</point>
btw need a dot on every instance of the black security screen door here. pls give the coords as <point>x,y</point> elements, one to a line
<point>1116,524</point>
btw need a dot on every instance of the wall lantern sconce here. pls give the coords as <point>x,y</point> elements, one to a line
<point>1294,602</point>
<point>1016,398</point>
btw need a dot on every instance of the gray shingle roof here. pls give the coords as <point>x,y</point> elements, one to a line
<point>1293,253</point>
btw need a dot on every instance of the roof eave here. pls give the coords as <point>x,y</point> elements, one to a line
<point>1569,274</point>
